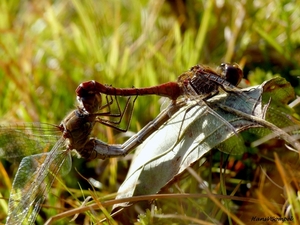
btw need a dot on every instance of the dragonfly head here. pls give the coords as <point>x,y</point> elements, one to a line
<point>90,102</point>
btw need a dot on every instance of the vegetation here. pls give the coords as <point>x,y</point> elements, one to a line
<point>48,48</point>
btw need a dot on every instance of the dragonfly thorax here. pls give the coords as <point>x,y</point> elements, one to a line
<point>76,128</point>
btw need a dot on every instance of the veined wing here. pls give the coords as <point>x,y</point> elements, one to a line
<point>268,109</point>
<point>23,139</point>
<point>33,180</point>
<point>276,91</point>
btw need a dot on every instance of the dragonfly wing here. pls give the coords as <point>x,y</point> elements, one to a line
<point>23,139</point>
<point>33,179</point>
<point>67,165</point>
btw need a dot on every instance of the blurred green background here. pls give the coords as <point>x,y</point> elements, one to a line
<point>47,48</point>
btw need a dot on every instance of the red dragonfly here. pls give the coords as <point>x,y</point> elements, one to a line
<point>199,83</point>
<point>199,80</point>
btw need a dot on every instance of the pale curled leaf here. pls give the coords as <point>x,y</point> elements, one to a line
<point>191,133</point>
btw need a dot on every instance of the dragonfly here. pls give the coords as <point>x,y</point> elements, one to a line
<point>201,83</point>
<point>195,81</point>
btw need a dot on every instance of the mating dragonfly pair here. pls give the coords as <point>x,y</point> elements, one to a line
<point>36,173</point>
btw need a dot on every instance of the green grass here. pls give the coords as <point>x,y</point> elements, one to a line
<point>48,48</point>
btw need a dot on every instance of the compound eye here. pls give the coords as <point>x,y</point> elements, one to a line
<point>231,72</point>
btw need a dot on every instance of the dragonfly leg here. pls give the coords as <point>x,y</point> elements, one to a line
<point>120,114</point>
<point>89,98</point>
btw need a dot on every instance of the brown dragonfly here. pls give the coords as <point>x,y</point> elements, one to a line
<point>36,173</point>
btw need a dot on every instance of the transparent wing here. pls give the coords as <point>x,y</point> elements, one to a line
<point>33,180</point>
<point>272,104</point>
<point>23,139</point>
